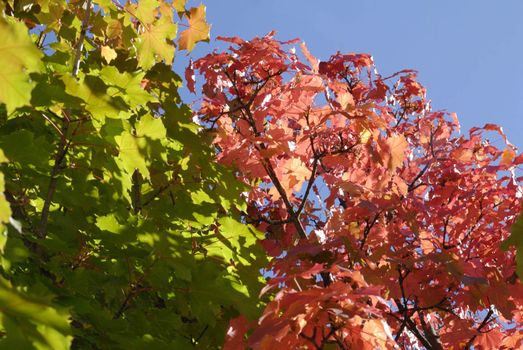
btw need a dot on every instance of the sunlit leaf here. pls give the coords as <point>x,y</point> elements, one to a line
<point>198,29</point>
<point>18,57</point>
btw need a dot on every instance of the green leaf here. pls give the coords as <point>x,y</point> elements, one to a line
<point>97,100</point>
<point>516,239</point>
<point>126,85</point>
<point>150,127</point>
<point>145,11</point>
<point>131,153</point>
<point>155,43</point>
<point>31,322</point>
<point>131,261</point>
<point>18,57</point>
<point>5,209</point>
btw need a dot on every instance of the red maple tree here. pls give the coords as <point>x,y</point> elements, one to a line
<point>383,222</point>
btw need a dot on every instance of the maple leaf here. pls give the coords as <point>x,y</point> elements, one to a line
<point>144,10</point>
<point>179,5</point>
<point>507,157</point>
<point>108,53</point>
<point>234,338</point>
<point>488,339</point>
<point>393,151</point>
<point>199,29</point>
<point>155,43</point>
<point>113,142</point>
<point>18,57</point>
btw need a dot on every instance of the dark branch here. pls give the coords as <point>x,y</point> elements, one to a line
<point>368,227</point>
<point>485,321</point>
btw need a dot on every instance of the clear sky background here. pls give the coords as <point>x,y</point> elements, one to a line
<point>469,53</point>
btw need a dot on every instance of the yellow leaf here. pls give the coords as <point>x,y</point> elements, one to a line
<point>198,29</point>
<point>179,5</point>
<point>114,32</point>
<point>108,54</point>
<point>144,10</point>
<point>354,229</point>
<point>365,136</point>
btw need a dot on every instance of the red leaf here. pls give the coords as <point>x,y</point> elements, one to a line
<point>235,337</point>
<point>189,76</point>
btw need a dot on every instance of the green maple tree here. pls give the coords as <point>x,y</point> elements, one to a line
<point>118,229</point>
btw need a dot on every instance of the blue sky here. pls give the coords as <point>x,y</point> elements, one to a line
<point>469,53</point>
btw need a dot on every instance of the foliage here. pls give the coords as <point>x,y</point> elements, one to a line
<point>118,230</point>
<point>383,222</point>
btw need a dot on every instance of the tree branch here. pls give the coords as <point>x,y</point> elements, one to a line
<point>485,321</point>
<point>430,334</point>
<point>311,338</point>
<point>63,147</point>
<point>309,186</point>
<point>83,32</point>
<point>64,144</point>
<point>266,163</point>
<point>136,189</point>
<point>412,185</point>
<point>368,227</point>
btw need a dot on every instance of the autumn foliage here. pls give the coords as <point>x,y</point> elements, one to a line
<point>383,222</point>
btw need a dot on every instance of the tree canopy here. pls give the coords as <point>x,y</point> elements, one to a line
<point>383,221</point>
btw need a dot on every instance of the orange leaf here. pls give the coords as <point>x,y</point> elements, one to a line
<point>507,157</point>
<point>426,242</point>
<point>312,60</point>
<point>489,340</point>
<point>393,151</point>
<point>398,144</point>
<point>198,29</point>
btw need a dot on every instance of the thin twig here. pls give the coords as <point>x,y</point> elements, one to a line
<point>80,45</point>
<point>412,186</point>
<point>485,321</point>
<point>53,124</point>
<point>368,227</point>
<point>309,186</point>
<point>136,190</point>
